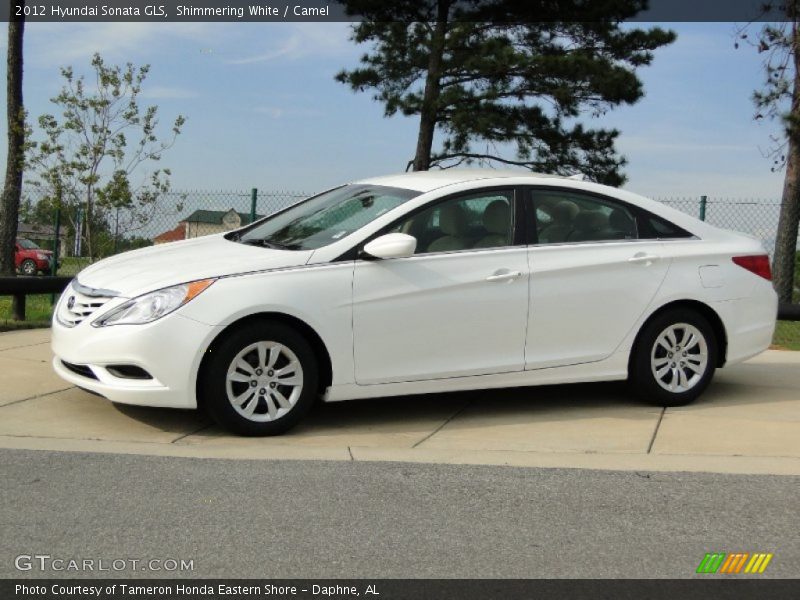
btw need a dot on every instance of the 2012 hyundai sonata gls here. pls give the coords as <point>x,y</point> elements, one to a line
<point>419,283</point>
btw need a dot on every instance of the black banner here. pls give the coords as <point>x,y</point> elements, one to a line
<point>398,589</point>
<point>159,11</point>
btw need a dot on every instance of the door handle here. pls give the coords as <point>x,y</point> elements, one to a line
<point>642,257</point>
<point>503,275</point>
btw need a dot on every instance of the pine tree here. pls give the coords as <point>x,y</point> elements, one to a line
<point>483,77</point>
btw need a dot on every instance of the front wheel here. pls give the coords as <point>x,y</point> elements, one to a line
<point>28,267</point>
<point>674,358</point>
<point>260,380</point>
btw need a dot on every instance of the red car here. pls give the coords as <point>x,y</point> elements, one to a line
<point>30,259</point>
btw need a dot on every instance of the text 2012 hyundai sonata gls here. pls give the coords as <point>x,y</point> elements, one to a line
<point>419,283</point>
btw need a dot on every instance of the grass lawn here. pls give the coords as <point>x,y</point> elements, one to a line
<point>70,265</point>
<point>37,311</point>
<point>787,335</point>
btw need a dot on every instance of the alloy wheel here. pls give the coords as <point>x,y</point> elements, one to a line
<point>264,381</point>
<point>679,357</point>
<point>29,267</point>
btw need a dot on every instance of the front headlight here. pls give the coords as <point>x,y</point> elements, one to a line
<point>41,256</point>
<point>152,306</point>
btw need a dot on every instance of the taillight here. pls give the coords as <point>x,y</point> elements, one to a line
<point>758,264</point>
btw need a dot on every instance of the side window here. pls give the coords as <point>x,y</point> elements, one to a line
<point>658,228</point>
<point>566,217</point>
<point>482,220</point>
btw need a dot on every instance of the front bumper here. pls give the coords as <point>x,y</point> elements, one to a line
<point>169,349</point>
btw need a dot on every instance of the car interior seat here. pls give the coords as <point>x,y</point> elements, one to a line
<point>497,221</point>
<point>589,225</point>
<point>563,214</point>
<point>453,223</point>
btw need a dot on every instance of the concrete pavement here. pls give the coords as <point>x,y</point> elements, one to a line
<point>747,422</point>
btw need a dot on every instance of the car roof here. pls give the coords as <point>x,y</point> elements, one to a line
<point>425,181</point>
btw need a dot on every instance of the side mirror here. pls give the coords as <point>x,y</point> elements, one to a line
<point>392,245</point>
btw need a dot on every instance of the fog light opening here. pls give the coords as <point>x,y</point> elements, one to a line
<point>128,372</point>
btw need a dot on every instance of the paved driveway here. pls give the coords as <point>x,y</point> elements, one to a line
<point>747,422</point>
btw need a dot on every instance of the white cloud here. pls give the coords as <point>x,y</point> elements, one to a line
<point>49,44</point>
<point>303,40</point>
<point>289,48</point>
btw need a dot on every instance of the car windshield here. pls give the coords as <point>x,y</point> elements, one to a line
<point>326,218</point>
<point>27,244</point>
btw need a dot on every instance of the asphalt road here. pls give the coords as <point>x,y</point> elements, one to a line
<point>279,519</point>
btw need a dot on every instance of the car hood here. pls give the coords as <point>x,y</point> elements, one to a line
<point>140,271</point>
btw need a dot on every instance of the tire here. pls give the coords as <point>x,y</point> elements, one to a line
<point>258,352</point>
<point>670,374</point>
<point>28,267</point>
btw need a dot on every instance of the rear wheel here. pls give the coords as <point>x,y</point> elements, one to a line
<point>28,267</point>
<point>260,380</point>
<point>674,358</point>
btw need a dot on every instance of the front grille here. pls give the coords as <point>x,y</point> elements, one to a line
<point>75,306</point>
<point>82,370</point>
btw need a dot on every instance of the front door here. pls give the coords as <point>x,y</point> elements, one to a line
<point>458,307</point>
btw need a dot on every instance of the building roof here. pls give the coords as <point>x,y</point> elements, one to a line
<point>36,230</point>
<point>173,235</point>
<point>215,216</point>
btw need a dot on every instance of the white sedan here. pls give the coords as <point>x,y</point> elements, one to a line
<point>419,283</point>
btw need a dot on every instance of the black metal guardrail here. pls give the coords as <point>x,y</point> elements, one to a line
<point>789,312</point>
<point>13,286</point>
<point>22,286</point>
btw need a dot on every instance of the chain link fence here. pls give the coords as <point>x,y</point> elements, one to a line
<point>754,216</point>
<point>185,214</point>
<point>176,215</point>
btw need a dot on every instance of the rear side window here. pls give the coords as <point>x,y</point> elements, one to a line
<point>564,217</point>
<point>654,227</point>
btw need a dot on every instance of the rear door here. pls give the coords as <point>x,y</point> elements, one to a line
<point>592,276</point>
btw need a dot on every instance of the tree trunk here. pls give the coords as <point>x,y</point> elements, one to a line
<point>430,100</point>
<point>87,224</point>
<point>12,189</point>
<point>786,239</point>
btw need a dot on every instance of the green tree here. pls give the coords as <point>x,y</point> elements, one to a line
<point>779,99</point>
<point>481,81</point>
<point>89,155</point>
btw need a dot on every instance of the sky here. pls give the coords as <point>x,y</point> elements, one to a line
<point>264,110</point>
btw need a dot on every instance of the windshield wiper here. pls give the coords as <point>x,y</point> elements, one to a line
<point>265,243</point>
